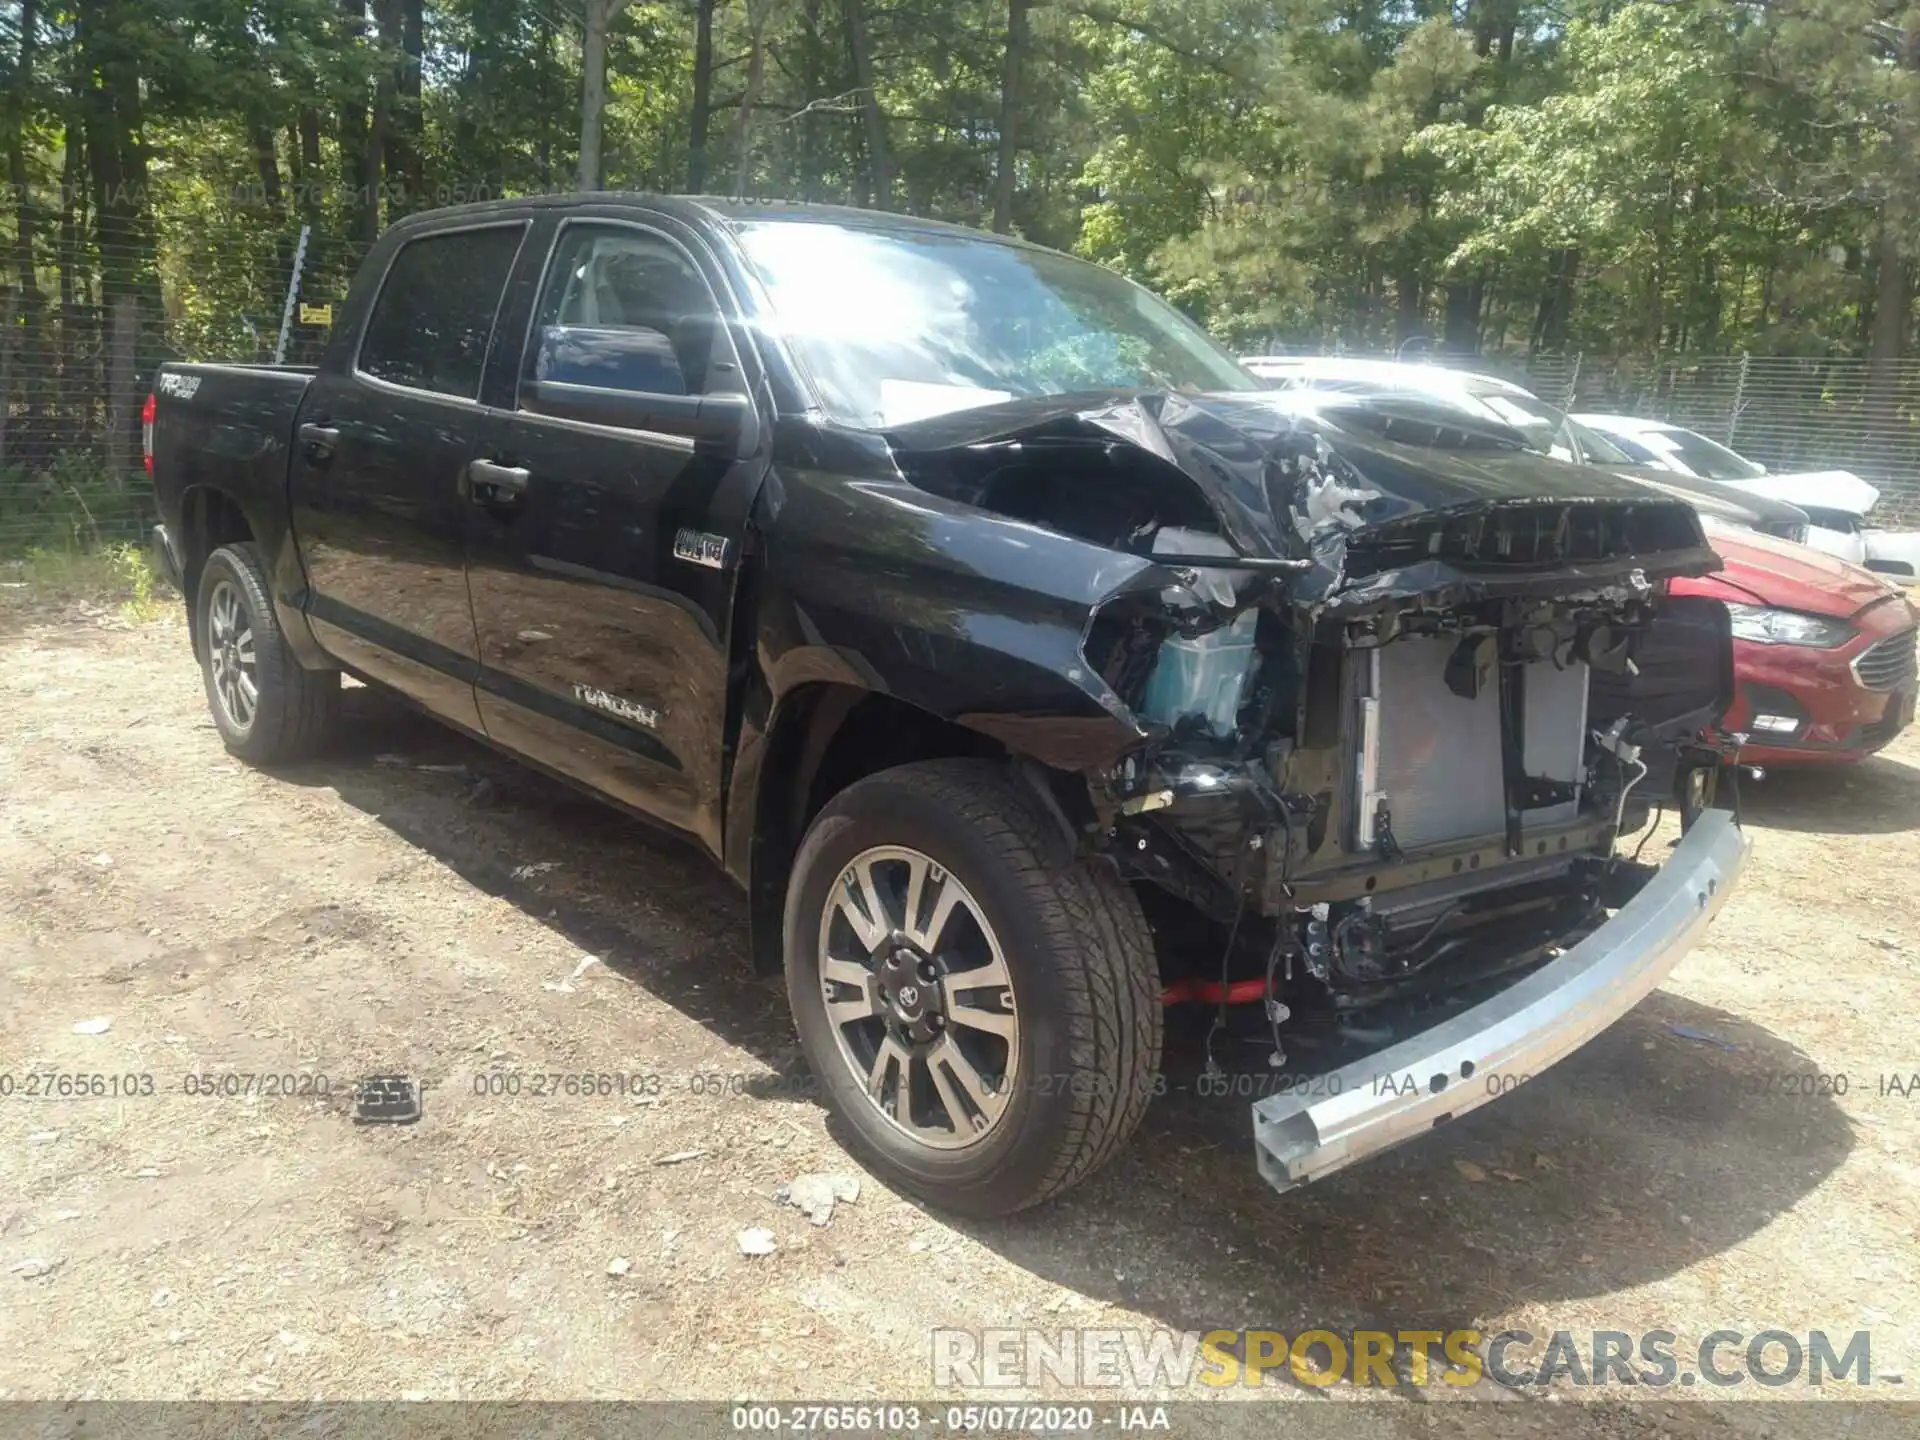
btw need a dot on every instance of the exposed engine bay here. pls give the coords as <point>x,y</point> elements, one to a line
<point>1402,686</point>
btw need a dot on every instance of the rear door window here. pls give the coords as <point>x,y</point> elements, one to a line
<point>431,324</point>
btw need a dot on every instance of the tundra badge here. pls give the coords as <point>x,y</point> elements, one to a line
<point>698,547</point>
<point>626,709</point>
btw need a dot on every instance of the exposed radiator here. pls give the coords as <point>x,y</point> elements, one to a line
<point>1433,757</point>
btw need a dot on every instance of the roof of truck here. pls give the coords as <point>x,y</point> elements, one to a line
<point>711,208</point>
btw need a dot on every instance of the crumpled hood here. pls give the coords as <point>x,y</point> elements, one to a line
<point>1715,500</point>
<point>1297,477</point>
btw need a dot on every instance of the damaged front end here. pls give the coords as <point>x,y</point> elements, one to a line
<point>1405,685</point>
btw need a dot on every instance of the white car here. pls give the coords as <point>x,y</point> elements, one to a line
<point>1544,427</point>
<point>1837,502</point>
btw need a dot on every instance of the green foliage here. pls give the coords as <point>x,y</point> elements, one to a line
<point>1638,160</point>
<point>131,567</point>
<point>73,504</point>
<point>1707,175</point>
<point>1598,161</point>
<point>120,574</point>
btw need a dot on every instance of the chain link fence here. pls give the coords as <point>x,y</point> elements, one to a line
<point>82,330</point>
<point>84,327</point>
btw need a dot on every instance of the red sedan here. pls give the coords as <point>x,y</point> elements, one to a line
<point>1823,651</point>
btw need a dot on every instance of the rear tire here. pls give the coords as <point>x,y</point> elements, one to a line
<point>268,708</point>
<point>1007,980</point>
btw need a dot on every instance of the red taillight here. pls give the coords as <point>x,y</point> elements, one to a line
<point>146,428</point>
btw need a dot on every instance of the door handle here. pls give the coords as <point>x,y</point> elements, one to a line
<point>492,484</point>
<point>319,440</point>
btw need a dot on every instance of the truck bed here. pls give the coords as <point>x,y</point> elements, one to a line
<point>223,437</point>
<point>228,428</point>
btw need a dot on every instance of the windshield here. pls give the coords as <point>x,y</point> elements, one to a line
<point>1635,447</point>
<point>1700,456</point>
<point>898,326</point>
<point>1597,449</point>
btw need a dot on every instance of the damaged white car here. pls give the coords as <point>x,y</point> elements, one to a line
<point>1838,503</point>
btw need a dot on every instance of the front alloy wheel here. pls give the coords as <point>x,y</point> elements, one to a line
<point>918,993</point>
<point>978,1001</point>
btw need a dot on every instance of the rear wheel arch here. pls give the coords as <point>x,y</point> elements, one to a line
<point>212,516</point>
<point>209,518</point>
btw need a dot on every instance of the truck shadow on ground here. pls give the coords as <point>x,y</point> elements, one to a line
<point>1655,1146</point>
<point>1878,796</point>
<point>1663,1142</point>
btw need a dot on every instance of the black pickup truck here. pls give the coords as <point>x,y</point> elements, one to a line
<point>1034,671</point>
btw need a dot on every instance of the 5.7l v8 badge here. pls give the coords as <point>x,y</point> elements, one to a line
<point>699,547</point>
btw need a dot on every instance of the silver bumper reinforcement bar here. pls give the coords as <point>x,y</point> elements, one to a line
<point>1462,1063</point>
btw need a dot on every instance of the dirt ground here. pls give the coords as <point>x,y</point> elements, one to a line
<point>414,904</point>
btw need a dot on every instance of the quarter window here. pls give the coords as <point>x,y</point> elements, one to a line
<point>429,328</point>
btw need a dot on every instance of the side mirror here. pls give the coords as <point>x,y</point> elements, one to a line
<point>628,357</point>
<point>630,378</point>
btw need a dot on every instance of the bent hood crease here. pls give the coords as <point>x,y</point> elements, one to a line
<point>1294,478</point>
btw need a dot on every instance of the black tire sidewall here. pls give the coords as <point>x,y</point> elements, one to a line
<point>234,564</point>
<point>998,1173</point>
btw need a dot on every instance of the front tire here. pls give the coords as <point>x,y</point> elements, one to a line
<point>981,1005</point>
<point>268,708</point>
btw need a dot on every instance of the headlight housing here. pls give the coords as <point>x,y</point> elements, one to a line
<point>1787,627</point>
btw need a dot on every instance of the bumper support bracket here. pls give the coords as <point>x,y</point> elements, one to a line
<point>1461,1063</point>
